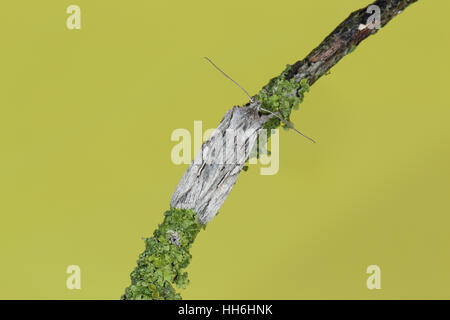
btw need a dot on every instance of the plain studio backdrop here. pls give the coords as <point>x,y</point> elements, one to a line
<point>85,170</point>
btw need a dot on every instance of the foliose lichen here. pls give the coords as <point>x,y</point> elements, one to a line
<point>166,254</point>
<point>279,96</point>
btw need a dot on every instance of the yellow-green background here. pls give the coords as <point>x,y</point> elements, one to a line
<point>85,170</point>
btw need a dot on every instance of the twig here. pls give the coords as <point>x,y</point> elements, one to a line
<point>207,182</point>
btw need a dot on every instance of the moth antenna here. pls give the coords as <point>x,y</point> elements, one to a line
<point>214,65</point>
<point>251,99</point>
<point>288,124</point>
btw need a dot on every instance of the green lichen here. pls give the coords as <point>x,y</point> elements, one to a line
<point>279,96</point>
<point>166,254</point>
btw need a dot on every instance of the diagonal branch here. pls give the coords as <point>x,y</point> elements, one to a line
<point>214,171</point>
<point>207,182</point>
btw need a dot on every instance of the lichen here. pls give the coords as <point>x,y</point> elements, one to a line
<point>166,254</point>
<point>279,96</point>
